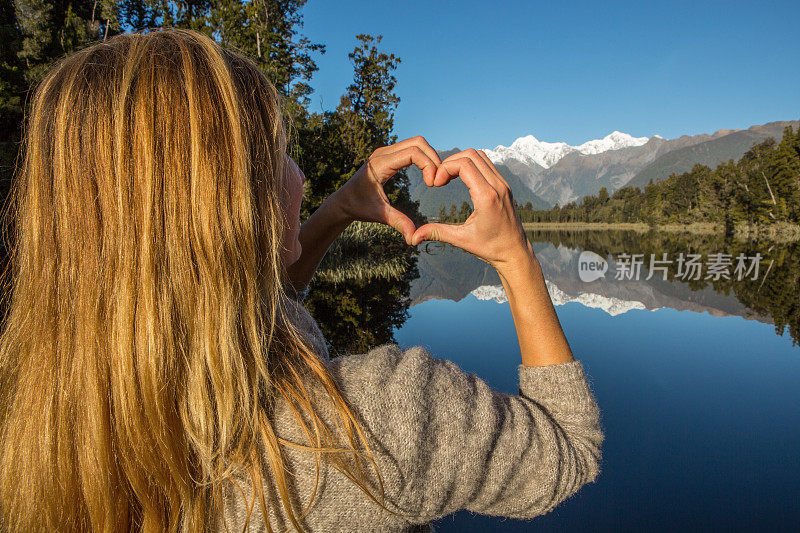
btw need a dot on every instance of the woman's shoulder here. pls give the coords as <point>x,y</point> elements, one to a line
<point>387,365</point>
<point>402,385</point>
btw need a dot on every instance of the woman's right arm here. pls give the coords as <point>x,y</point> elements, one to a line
<point>446,440</point>
<point>494,233</point>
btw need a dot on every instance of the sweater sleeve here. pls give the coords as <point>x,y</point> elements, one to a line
<point>454,443</point>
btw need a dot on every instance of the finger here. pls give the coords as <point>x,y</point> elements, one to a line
<point>399,221</point>
<point>466,169</point>
<point>417,140</point>
<point>488,172</point>
<point>386,166</point>
<point>488,161</point>
<point>434,231</point>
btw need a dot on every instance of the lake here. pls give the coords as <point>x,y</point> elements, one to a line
<point>697,379</point>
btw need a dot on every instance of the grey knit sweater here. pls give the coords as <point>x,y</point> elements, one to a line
<point>443,441</point>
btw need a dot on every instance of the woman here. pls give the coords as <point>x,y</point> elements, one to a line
<point>155,375</point>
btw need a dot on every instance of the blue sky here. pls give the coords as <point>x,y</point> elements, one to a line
<point>479,74</point>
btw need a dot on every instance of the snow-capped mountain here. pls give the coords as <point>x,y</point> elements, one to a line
<point>559,173</point>
<point>531,150</point>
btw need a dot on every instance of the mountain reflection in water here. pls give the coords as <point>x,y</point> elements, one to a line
<point>367,284</point>
<point>449,273</point>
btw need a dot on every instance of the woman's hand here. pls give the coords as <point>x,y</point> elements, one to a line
<point>493,232</point>
<point>363,197</point>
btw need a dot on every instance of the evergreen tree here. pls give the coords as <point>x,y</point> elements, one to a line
<point>465,211</point>
<point>783,174</point>
<point>50,30</point>
<point>138,15</point>
<point>760,199</point>
<point>268,32</point>
<point>367,108</point>
<point>334,144</point>
<point>12,91</point>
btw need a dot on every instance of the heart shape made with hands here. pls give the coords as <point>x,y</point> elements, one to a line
<point>493,232</point>
<point>484,182</point>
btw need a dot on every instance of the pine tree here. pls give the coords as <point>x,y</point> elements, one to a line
<point>442,213</point>
<point>12,90</point>
<point>783,171</point>
<point>268,32</point>
<point>138,14</point>
<point>367,108</point>
<point>51,30</point>
<point>465,211</point>
<point>334,144</point>
<point>759,200</point>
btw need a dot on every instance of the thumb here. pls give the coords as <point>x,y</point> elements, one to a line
<point>435,231</point>
<point>400,222</point>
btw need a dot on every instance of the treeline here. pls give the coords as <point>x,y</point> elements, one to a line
<point>456,216</point>
<point>762,188</point>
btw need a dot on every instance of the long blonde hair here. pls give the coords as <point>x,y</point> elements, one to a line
<point>146,336</point>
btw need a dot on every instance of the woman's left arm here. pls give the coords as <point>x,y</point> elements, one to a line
<point>361,198</point>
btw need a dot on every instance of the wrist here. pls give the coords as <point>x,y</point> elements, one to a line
<point>337,211</point>
<point>523,262</point>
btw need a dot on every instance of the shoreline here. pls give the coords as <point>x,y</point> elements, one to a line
<point>781,232</point>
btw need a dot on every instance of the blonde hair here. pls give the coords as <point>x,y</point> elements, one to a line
<point>146,337</point>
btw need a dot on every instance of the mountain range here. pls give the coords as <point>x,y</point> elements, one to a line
<point>546,173</point>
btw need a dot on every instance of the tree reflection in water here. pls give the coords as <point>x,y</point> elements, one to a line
<point>360,292</point>
<point>774,294</point>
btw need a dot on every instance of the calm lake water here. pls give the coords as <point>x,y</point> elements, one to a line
<point>697,379</point>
